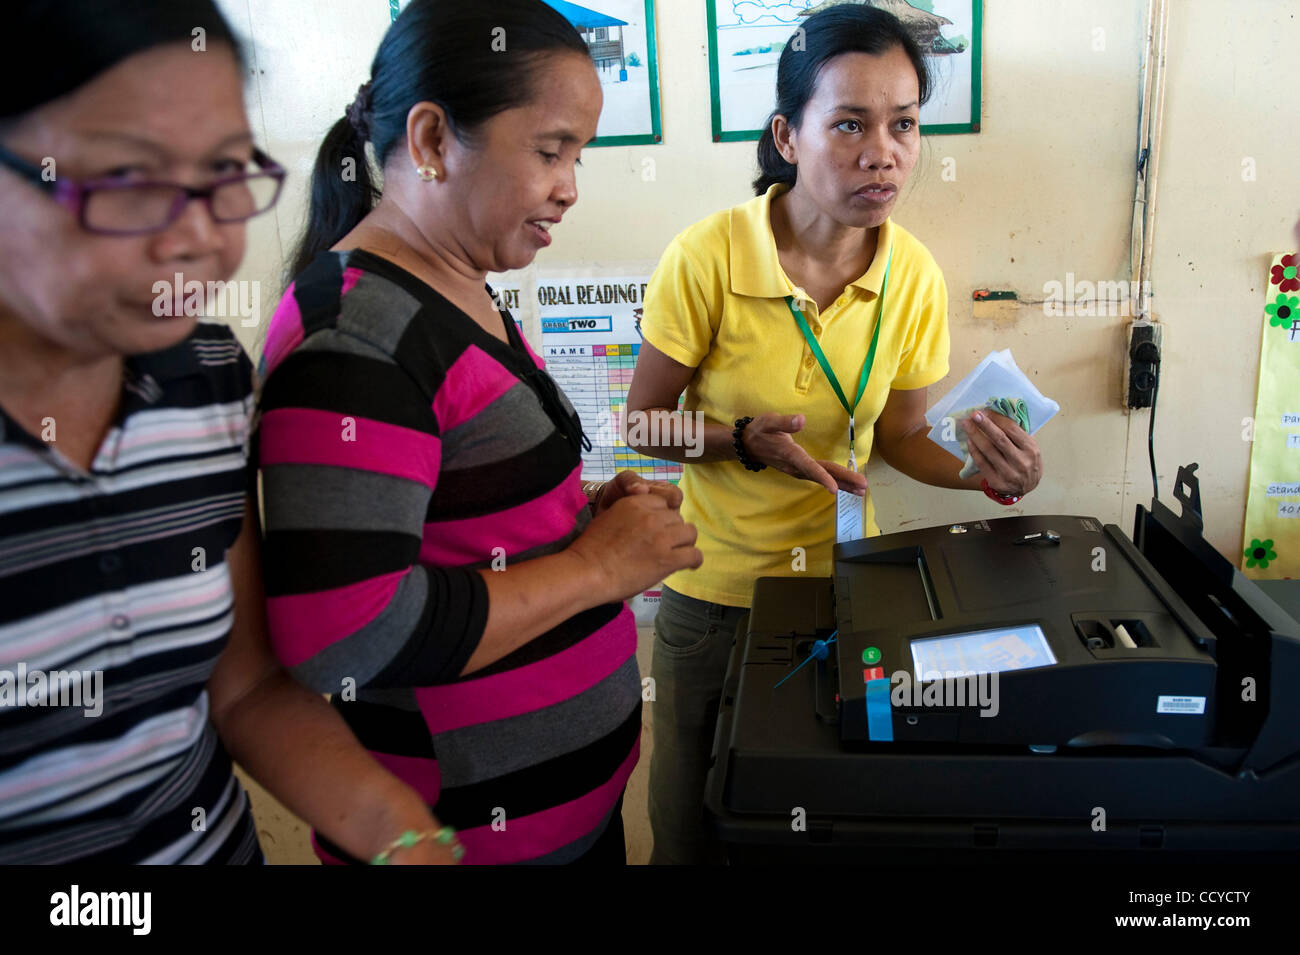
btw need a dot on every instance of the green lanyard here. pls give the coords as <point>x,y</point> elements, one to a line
<point>821,356</point>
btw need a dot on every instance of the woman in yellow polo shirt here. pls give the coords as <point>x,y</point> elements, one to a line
<point>746,312</point>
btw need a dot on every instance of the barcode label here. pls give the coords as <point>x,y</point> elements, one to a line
<point>1180,704</point>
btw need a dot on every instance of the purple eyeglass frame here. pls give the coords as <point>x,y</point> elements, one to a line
<point>72,193</point>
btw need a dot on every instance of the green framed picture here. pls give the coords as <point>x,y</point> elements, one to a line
<point>746,38</point>
<point>620,34</point>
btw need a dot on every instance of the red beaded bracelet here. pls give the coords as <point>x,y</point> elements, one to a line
<point>1005,499</point>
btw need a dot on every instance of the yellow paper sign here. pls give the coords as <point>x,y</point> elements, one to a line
<point>1271,542</point>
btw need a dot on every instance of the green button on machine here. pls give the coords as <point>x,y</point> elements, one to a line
<point>870,656</point>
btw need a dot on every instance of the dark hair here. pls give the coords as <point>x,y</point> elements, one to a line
<point>52,47</point>
<point>473,59</point>
<point>847,28</point>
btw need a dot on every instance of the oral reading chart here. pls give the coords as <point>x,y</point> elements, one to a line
<point>591,338</point>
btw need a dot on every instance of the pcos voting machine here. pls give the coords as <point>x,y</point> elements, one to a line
<point>1027,688</point>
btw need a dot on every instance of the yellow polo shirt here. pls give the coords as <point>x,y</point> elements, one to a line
<point>716,303</point>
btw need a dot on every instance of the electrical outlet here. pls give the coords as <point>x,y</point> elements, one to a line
<point>1141,369</point>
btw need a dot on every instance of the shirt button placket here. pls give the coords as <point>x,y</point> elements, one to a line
<point>115,603</point>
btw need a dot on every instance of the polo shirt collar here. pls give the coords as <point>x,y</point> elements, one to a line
<point>145,378</point>
<point>756,270</point>
<point>149,374</point>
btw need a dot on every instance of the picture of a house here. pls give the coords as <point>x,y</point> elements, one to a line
<point>620,38</point>
<point>602,33</point>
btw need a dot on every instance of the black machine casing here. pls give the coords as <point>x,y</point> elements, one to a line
<point>796,778</point>
<point>1078,588</point>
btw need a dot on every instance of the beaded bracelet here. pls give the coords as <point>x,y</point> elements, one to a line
<point>737,439</point>
<point>446,836</point>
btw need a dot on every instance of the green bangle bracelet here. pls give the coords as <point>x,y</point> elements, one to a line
<point>446,836</point>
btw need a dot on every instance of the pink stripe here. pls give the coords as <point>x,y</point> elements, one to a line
<point>302,625</point>
<point>473,382</point>
<point>422,775</point>
<point>350,276</point>
<point>536,835</point>
<point>309,436</point>
<point>533,687</point>
<point>285,332</point>
<point>517,529</point>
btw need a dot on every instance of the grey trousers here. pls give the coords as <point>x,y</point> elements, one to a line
<point>689,661</point>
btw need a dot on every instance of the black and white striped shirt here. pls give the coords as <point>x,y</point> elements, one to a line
<point>115,603</point>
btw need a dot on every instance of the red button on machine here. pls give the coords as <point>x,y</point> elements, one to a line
<point>873,673</point>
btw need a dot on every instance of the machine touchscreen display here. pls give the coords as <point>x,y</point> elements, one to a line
<point>981,651</point>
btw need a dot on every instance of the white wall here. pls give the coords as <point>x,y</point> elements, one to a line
<point>1043,190</point>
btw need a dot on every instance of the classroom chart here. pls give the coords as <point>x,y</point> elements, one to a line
<point>591,338</point>
<point>596,379</point>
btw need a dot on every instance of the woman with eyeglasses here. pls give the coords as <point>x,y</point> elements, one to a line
<point>134,661</point>
<point>433,559</point>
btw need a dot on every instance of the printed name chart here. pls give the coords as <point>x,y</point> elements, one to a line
<point>590,342</point>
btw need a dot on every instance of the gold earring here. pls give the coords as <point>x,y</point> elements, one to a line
<point>426,172</point>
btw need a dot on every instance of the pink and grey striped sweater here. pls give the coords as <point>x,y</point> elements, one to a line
<point>402,448</point>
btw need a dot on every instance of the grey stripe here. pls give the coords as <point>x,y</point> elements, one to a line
<point>509,426</point>
<point>377,311</point>
<point>342,499</point>
<point>365,652</point>
<point>333,340</point>
<point>487,750</point>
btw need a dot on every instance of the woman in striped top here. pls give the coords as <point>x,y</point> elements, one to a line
<point>432,559</point>
<point>133,650</point>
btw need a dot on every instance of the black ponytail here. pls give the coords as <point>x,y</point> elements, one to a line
<point>473,59</point>
<point>847,28</point>
<point>771,164</point>
<point>342,193</point>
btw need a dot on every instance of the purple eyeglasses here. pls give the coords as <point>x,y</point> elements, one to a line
<point>113,206</point>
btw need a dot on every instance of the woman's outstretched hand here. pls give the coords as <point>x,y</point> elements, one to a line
<point>769,439</point>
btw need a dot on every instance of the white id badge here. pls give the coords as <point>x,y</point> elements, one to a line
<point>848,511</point>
